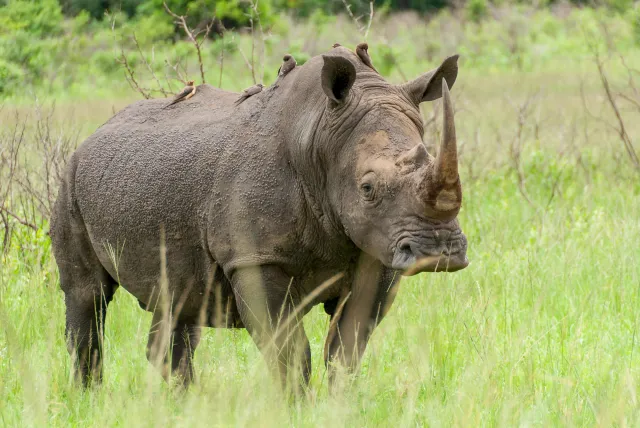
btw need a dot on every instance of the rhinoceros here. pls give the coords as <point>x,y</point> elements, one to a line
<point>318,190</point>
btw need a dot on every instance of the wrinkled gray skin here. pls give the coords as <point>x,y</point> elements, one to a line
<point>259,207</point>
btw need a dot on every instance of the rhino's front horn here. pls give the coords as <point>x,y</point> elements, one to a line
<point>446,171</point>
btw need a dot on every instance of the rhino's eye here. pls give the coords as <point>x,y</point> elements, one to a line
<point>367,191</point>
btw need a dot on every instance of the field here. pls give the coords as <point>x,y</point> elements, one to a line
<point>541,329</point>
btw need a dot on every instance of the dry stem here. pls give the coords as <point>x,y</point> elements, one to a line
<point>193,36</point>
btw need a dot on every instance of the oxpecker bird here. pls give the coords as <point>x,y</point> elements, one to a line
<point>185,94</point>
<point>336,45</point>
<point>363,54</point>
<point>288,65</point>
<point>249,92</point>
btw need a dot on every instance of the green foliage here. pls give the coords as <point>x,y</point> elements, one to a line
<point>98,8</point>
<point>386,59</point>
<point>26,45</point>
<point>635,24</point>
<point>477,10</point>
<point>153,28</point>
<point>40,18</point>
<point>11,77</point>
<point>620,6</point>
<point>38,46</point>
<point>234,13</point>
<point>419,5</point>
<point>304,8</point>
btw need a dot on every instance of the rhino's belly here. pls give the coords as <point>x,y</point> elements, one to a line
<point>196,288</point>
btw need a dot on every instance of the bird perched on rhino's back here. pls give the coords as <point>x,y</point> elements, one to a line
<point>288,65</point>
<point>362,50</point>
<point>249,92</point>
<point>336,45</point>
<point>186,93</point>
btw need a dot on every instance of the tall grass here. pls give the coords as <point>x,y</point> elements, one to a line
<point>540,329</point>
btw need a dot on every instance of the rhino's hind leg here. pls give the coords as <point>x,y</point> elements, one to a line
<point>268,311</point>
<point>182,339</point>
<point>86,309</point>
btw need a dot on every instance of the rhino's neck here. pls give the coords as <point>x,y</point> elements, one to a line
<point>300,109</point>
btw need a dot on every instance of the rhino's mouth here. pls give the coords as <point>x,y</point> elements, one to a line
<point>432,253</point>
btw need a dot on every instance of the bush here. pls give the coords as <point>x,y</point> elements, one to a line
<point>635,24</point>
<point>620,6</point>
<point>41,18</point>
<point>153,28</point>
<point>477,10</point>
<point>98,8</point>
<point>11,77</point>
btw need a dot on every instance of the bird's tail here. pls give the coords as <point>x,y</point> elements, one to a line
<point>170,104</point>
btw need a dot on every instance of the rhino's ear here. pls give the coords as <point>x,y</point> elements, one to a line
<point>338,76</point>
<point>428,87</point>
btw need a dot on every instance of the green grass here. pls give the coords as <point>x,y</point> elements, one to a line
<point>540,329</point>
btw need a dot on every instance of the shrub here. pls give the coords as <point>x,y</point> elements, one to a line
<point>477,10</point>
<point>38,18</point>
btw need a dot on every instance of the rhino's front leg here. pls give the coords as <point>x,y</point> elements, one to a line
<point>357,313</point>
<point>266,300</point>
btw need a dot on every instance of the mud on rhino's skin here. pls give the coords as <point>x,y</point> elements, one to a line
<point>240,213</point>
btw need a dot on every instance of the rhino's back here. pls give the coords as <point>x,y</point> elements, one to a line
<point>148,157</point>
<point>151,168</point>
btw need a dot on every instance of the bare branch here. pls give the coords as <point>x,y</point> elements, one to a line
<point>149,67</point>
<point>244,57</point>
<point>515,149</point>
<point>621,129</point>
<point>253,48</point>
<point>176,69</point>
<point>221,32</point>
<point>28,188</point>
<point>254,6</point>
<point>129,74</point>
<point>19,219</point>
<point>366,33</point>
<point>347,6</point>
<point>182,22</point>
<point>221,64</point>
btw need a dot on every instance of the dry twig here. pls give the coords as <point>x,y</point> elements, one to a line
<point>221,60</point>
<point>254,6</point>
<point>19,219</point>
<point>621,128</point>
<point>148,65</point>
<point>366,33</point>
<point>193,36</point>
<point>515,148</point>
<point>32,159</point>
<point>129,74</point>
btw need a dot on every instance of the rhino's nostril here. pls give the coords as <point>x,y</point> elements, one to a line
<point>405,248</point>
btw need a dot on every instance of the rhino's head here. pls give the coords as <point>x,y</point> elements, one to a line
<point>395,201</point>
